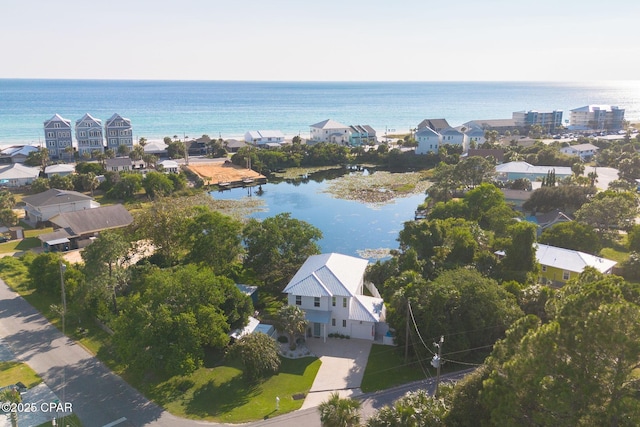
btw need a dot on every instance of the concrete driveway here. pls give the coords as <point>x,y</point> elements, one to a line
<point>342,369</point>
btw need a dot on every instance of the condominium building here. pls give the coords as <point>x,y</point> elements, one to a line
<point>57,137</point>
<point>597,117</point>
<point>89,135</point>
<point>550,121</point>
<point>118,131</point>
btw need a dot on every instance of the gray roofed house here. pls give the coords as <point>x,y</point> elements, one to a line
<point>57,136</point>
<point>500,125</point>
<point>42,206</point>
<point>61,170</point>
<point>74,230</point>
<point>329,288</point>
<point>118,164</point>
<point>435,124</point>
<point>362,135</point>
<point>17,175</point>
<point>233,145</point>
<point>118,131</point>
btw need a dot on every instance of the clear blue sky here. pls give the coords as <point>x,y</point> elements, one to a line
<point>348,40</point>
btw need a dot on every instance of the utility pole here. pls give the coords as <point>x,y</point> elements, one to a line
<point>436,362</point>
<point>406,338</point>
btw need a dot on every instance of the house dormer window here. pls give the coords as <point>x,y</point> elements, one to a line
<point>298,300</point>
<point>333,301</point>
<point>316,301</point>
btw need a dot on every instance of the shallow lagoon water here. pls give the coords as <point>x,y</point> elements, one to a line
<point>347,226</point>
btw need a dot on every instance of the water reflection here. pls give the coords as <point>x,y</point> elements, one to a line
<point>347,226</point>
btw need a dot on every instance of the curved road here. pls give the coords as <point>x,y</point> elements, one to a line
<point>101,398</point>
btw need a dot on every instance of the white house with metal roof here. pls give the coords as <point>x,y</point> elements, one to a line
<point>17,175</point>
<point>329,288</point>
<point>261,137</point>
<point>62,169</point>
<point>428,141</point>
<point>584,151</point>
<point>329,131</point>
<point>515,170</point>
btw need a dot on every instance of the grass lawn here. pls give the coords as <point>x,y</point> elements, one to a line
<point>386,368</point>
<point>614,254</point>
<point>13,372</point>
<point>221,393</point>
<point>19,245</point>
<point>70,420</point>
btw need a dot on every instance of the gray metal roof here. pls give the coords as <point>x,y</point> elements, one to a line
<point>93,220</point>
<point>117,162</point>
<point>55,197</point>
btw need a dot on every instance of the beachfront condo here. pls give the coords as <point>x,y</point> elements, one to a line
<point>57,137</point>
<point>118,131</point>
<point>89,136</point>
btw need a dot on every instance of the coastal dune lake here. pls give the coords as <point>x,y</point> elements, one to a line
<point>348,227</point>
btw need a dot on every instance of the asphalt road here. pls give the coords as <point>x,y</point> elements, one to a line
<point>99,397</point>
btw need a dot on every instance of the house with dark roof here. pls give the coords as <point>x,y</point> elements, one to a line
<point>330,289</point>
<point>362,135</point>
<point>75,230</point>
<point>43,206</point>
<point>434,124</point>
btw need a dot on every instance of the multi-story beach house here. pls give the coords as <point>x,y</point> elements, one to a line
<point>597,117</point>
<point>329,131</point>
<point>89,135</point>
<point>362,135</point>
<point>57,137</point>
<point>262,137</point>
<point>335,297</point>
<point>118,131</point>
<point>550,121</point>
<point>428,141</point>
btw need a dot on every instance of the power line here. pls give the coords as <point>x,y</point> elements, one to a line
<point>415,326</point>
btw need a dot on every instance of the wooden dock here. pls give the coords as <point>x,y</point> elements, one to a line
<point>227,175</point>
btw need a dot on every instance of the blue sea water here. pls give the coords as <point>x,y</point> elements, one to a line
<point>229,109</point>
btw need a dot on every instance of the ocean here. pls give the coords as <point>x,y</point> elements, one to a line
<point>228,109</point>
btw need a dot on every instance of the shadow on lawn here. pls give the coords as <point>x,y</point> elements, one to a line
<point>211,400</point>
<point>296,366</point>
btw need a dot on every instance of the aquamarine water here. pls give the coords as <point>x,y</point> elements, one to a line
<point>229,109</point>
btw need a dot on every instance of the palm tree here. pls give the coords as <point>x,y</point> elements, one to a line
<point>11,395</point>
<point>339,412</point>
<point>290,320</point>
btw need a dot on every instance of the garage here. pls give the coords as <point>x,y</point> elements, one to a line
<point>362,330</point>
